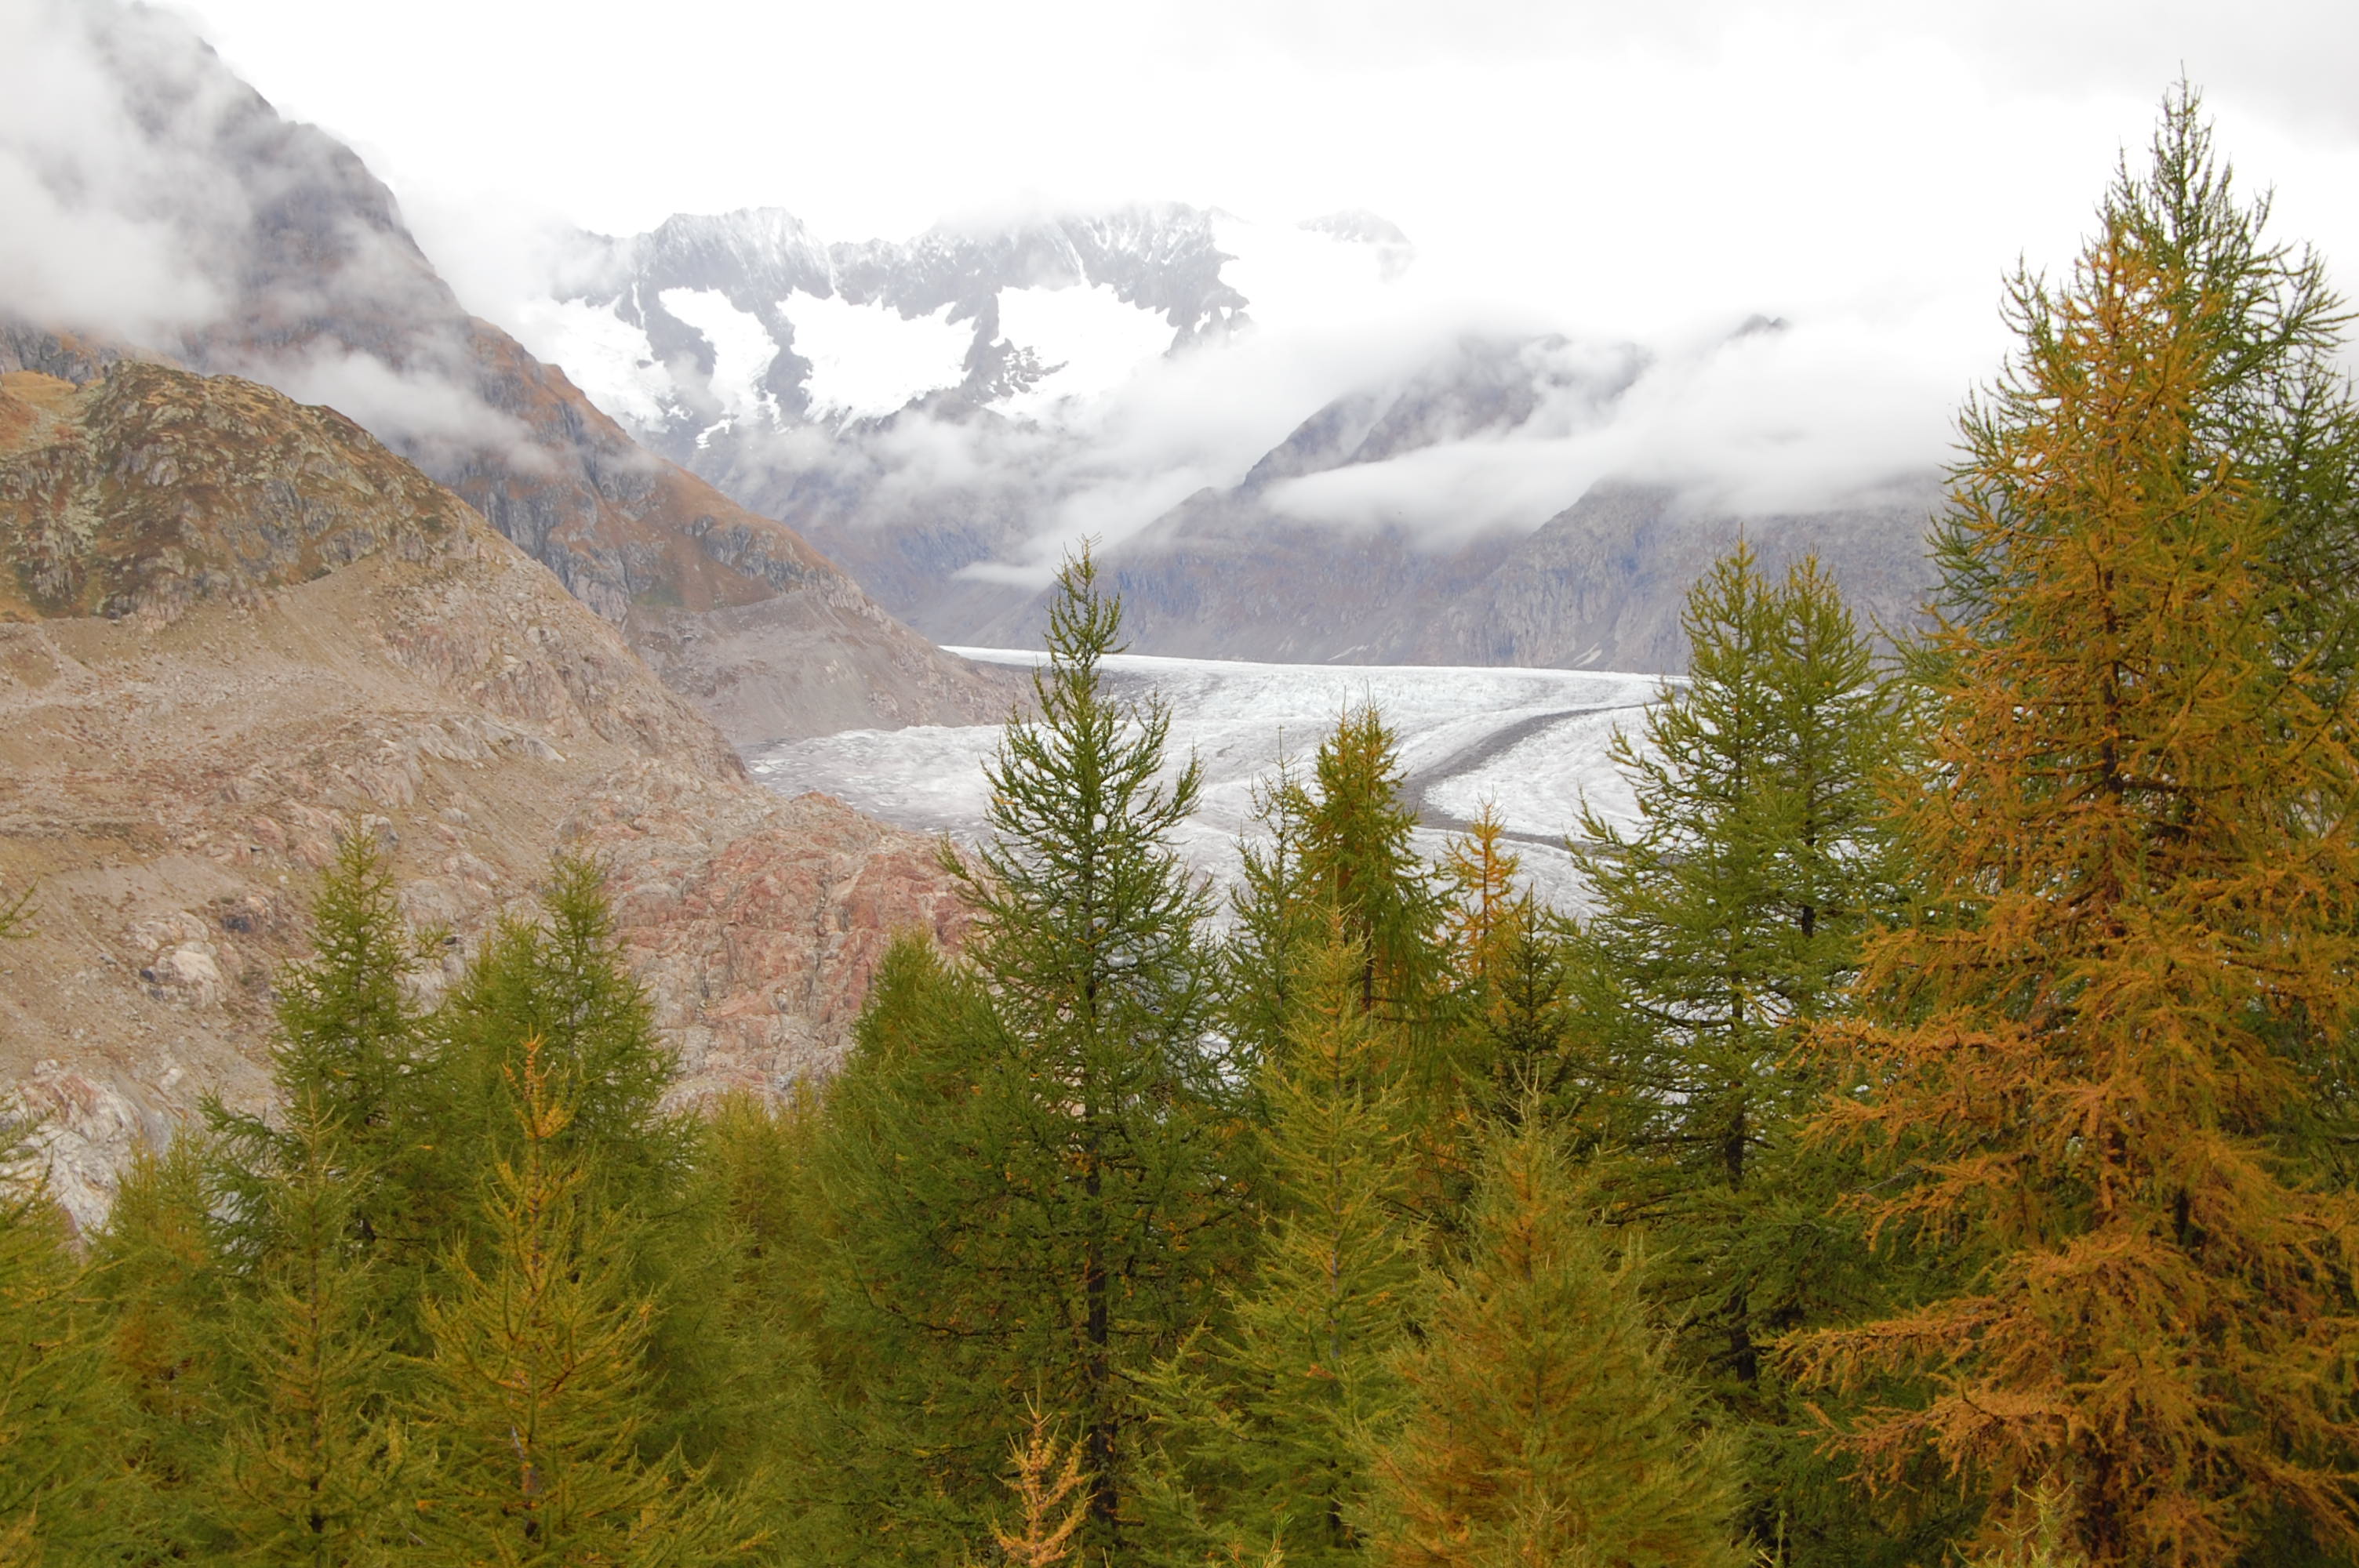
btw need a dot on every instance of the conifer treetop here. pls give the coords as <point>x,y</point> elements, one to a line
<point>2141,859</point>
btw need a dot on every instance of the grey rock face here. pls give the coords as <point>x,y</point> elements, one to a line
<point>322,293</point>
<point>1601,585</point>
<point>1160,257</point>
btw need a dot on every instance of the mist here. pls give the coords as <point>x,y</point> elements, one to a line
<point>1612,182</point>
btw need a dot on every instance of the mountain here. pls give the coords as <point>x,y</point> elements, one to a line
<point>311,282</point>
<point>731,326</point>
<point>939,414</point>
<point>923,407</point>
<point>1602,584</point>
<point>232,627</point>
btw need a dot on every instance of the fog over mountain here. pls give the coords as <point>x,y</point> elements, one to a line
<point>162,208</point>
<point>1608,333</point>
<point>1285,449</point>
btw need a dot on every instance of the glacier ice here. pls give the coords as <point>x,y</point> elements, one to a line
<point>869,360</point>
<point>605,356</point>
<point>1533,743</point>
<point>742,352</point>
<point>1093,338</point>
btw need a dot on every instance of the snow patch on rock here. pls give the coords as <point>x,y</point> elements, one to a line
<point>1089,339</point>
<point>605,356</point>
<point>742,352</point>
<point>869,360</point>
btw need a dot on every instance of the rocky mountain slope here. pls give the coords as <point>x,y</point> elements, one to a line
<point>725,328</point>
<point>312,283</point>
<point>932,469</point>
<point>1600,586</point>
<point>1243,573</point>
<point>232,627</point>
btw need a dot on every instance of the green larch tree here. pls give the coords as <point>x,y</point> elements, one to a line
<point>1267,1420</point>
<point>1734,908</point>
<point>1114,1115</point>
<point>1277,919</point>
<point>305,1457</point>
<point>1358,859</point>
<point>1027,1154</point>
<point>347,1052</point>
<point>1545,1424</point>
<point>1730,917</point>
<point>163,1287</point>
<point>69,1491</point>
<point>558,979</point>
<point>537,1393</point>
<point>929,1324</point>
<point>311,1461</point>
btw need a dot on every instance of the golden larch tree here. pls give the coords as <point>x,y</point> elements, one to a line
<point>2076,1059</point>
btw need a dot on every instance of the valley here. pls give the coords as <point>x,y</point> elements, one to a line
<point>1533,743</point>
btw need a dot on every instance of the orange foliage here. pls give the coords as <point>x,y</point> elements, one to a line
<point>1048,1484</point>
<point>2138,844</point>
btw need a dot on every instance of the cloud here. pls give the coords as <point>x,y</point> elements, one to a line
<point>1810,416</point>
<point>154,198</point>
<point>102,212</point>
<point>1865,169</point>
<point>428,414</point>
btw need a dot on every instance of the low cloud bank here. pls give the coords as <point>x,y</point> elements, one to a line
<point>155,201</point>
<point>1747,419</point>
<point>147,187</point>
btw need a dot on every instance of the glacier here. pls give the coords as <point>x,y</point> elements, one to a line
<point>1091,338</point>
<point>742,352</point>
<point>609,359</point>
<point>869,360</point>
<point>1534,744</point>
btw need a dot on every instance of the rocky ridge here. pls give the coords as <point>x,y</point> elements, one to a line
<point>320,289</point>
<point>1161,259</point>
<point>232,628</point>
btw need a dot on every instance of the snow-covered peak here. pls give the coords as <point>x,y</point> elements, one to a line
<point>747,320</point>
<point>1358,225</point>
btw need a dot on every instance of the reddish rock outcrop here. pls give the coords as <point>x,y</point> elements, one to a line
<point>757,922</point>
<point>232,628</point>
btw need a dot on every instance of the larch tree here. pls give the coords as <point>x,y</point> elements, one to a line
<point>310,1456</point>
<point>929,1324</point>
<point>156,1272</point>
<point>347,1055</point>
<point>2078,1060</point>
<point>1544,1421</point>
<point>1277,919</point>
<point>69,1489</point>
<point>1267,1420</point>
<point>1099,1218</point>
<point>1358,859</point>
<point>537,1392</point>
<point>558,979</point>
<point>1735,906</point>
<point>1732,912</point>
<point>1051,1497</point>
<point>1515,980</point>
<point>1488,906</point>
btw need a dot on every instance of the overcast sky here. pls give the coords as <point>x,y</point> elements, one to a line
<point>1631,164</point>
<point>1621,172</point>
